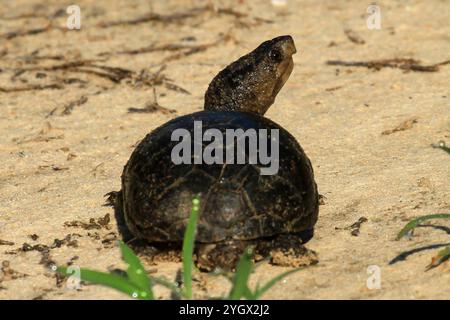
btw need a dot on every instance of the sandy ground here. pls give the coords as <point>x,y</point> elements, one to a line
<point>65,133</point>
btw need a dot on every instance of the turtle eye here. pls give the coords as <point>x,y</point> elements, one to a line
<point>275,55</point>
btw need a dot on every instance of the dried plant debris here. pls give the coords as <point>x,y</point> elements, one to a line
<point>333,88</point>
<point>34,57</point>
<point>223,38</point>
<point>72,260</point>
<point>109,239</point>
<point>47,133</point>
<point>20,33</point>
<point>355,227</point>
<point>93,223</point>
<point>7,273</point>
<point>68,108</point>
<point>35,14</point>
<point>33,236</point>
<point>32,88</point>
<point>152,48</point>
<point>114,74</point>
<point>152,106</point>
<point>6,243</point>
<point>23,16</point>
<point>242,20</point>
<point>34,31</point>
<point>70,240</point>
<point>182,49</point>
<point>405,125</point>
<point>158,78</point>
<point>52,167</point>
<point>353,36</point>
<point>46,258</point>
<point>26,247</point>
<point>398,63</point>
<point>179,17</point>
<point>42,295</point>
<point>176,17</point>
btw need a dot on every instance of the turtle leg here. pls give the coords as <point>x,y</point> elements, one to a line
<point>288,250</point>
<point>224,255</point>
<point>115,200</point>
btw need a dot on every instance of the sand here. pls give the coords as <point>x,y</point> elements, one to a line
<point>66,135</point>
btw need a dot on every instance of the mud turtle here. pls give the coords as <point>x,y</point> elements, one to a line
<point>240,206</point>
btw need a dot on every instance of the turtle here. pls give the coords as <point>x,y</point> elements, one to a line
<point>274,214</point>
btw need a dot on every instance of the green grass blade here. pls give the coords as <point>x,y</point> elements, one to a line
<point>169,285</point>
<point>446,149</point>
<point>249,295</point>
<point>110,280</point>
<point>439,258</point>
<point>415,222</point>
<point>136,271</point>
<point>444,252</point>
<point>441,145</point>
<point>260,291</point>
<point>240,279</point>
<point>188,247</point>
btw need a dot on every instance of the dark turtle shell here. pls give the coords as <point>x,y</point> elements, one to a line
<point>237,202</point>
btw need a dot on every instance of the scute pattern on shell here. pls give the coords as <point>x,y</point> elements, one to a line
<point>236,201</point>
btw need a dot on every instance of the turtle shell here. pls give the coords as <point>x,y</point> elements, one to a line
<point>237,201</point>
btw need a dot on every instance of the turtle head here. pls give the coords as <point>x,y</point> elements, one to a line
<point>251,83</point>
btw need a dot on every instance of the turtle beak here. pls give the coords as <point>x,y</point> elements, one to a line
<point>288,46</point>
